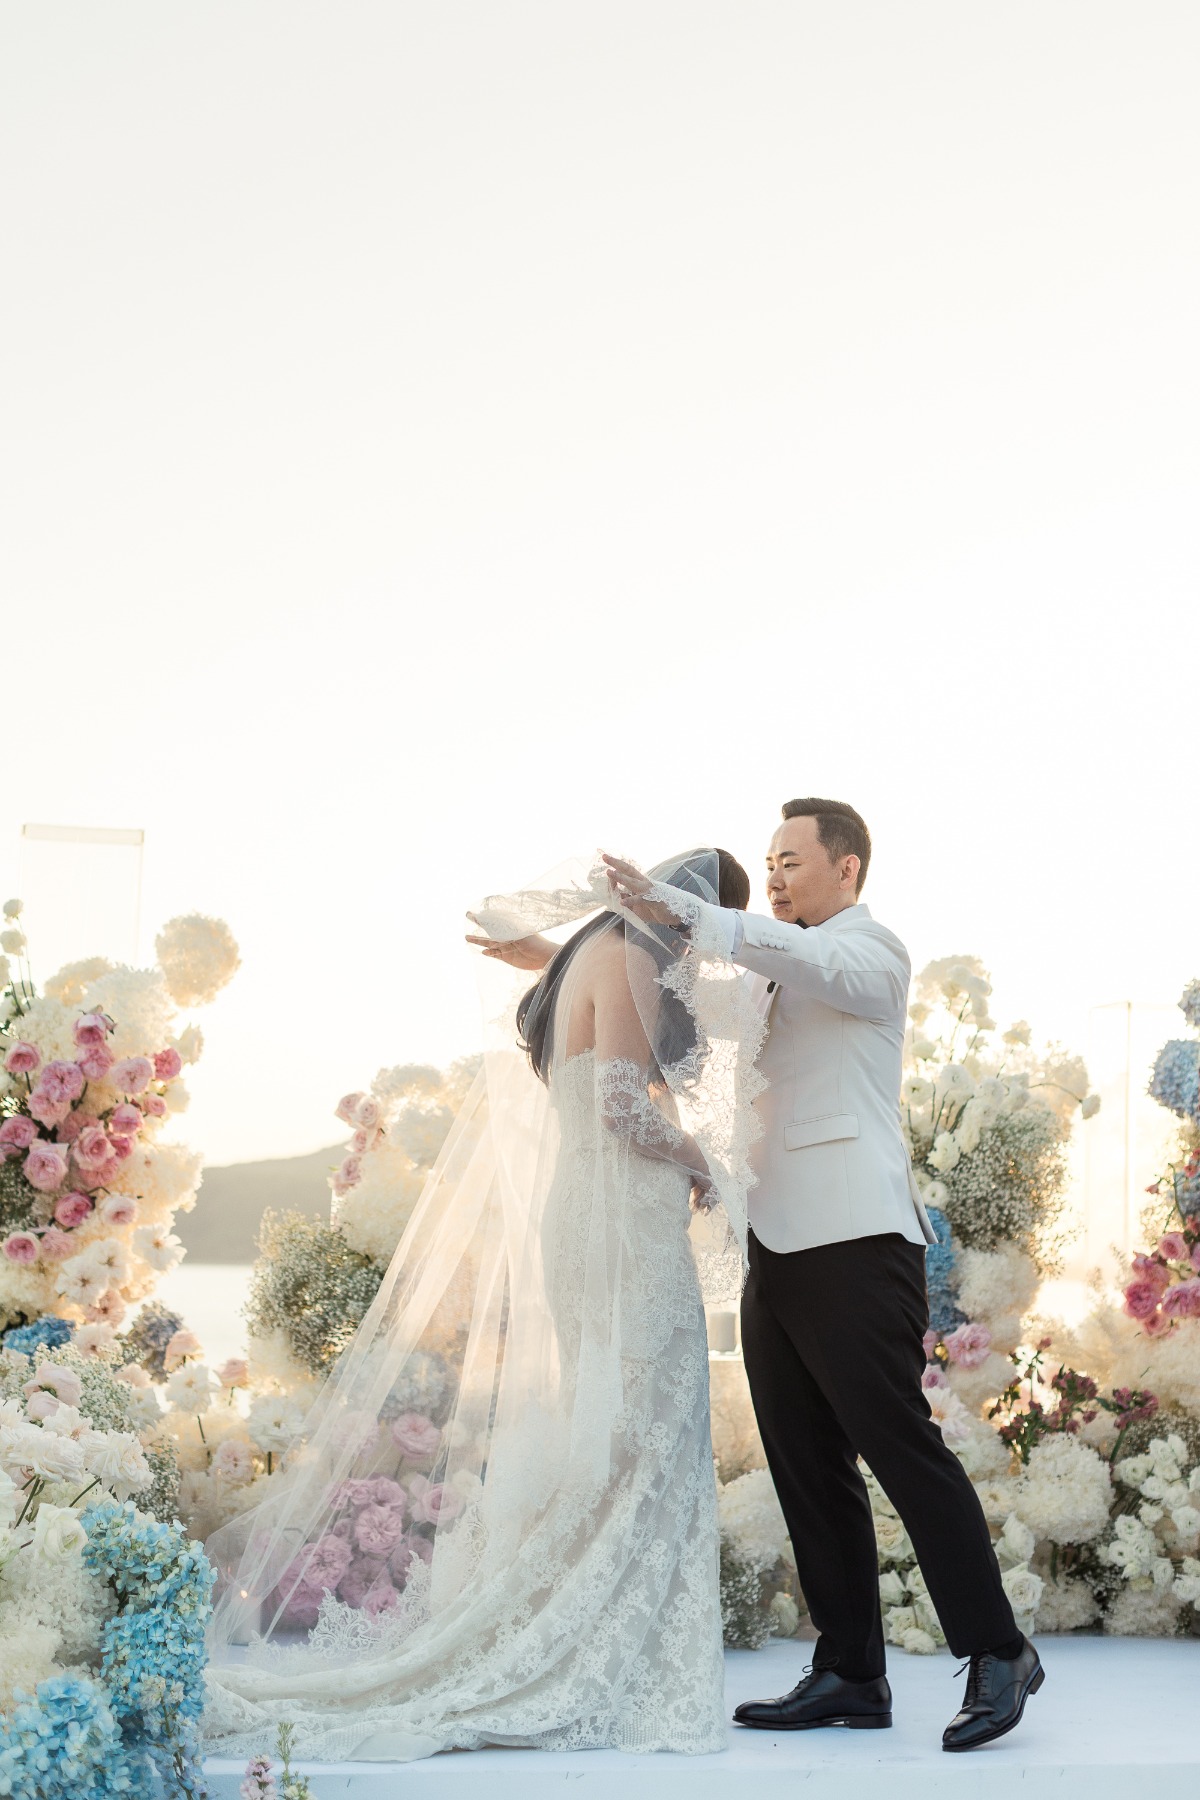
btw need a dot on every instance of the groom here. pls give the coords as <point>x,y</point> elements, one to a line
<point>835,1304</point>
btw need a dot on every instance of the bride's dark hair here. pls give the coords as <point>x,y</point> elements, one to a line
<point>535,1014</point>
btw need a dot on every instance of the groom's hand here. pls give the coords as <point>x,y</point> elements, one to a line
<point>628,886</point>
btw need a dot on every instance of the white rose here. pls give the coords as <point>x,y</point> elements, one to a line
<point>785,1615</point>
<point>899,1620</point>
<point>57,1533</point>
<point>1024,1589</point>
<point>891,1589</point>
<point>919,1643</point>
<point>891,1539</point>
<point>945,1154</point>
<point>1016,1541</point>
<point>916,1584</point>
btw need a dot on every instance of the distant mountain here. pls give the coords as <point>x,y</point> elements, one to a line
<point>224,1223</point>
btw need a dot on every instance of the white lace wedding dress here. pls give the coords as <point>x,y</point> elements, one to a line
<point>573,1602</point>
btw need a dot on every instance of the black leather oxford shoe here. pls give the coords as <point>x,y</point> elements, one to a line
<point>997,1689</point>
<point>822,1698</point>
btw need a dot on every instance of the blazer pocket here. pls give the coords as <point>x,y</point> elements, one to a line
<point>820,1131</point>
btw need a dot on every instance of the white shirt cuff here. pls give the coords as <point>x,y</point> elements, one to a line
<point>735,931</point>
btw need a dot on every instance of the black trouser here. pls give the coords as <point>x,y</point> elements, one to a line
<point>832,1341</point>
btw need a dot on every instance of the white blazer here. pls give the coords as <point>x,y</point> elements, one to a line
<point>831,1163</point>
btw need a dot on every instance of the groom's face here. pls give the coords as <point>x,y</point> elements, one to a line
<point>804,885</point>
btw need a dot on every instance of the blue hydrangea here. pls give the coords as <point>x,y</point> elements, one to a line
<point>944,1314</point>
<point>1175,1082</point>
<point>65,1744</point>
<point>46,1333</point>
<point>1189,1004</point>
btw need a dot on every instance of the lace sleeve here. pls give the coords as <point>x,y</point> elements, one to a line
<point>626,1109</point>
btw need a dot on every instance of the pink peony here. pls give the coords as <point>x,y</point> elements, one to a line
<point>346,1108</point>
<point>45,1167</point>
<point>935,1376</point>
<point>46,1109</point>
<point>126,1119</point>
<point>23,1058</point>
<point>416,1437</point>
<point>131,1074</point>
<point>969,1345</point>
<point>56,1244</point>
<point>91,1031</point>
<point>167,1064</point>
<point>302,1604</point>
<point>154,1106</point>
<point>233,1373</point>
<point>72,1210</point>
<point>1149,1268</point>
<point>439,1502</point>
<point>21,1247</point>
<point>1141,1299</point>
<point>17,1134</point>
<point>119,1209</point>
<point>321,1563</point>
<point>378,1529</point>
<point>96,1063</point>
<point>62,1081</point>
<point>92,1148</point>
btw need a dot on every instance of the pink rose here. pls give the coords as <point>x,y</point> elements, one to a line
<point>1173,1246</point>
<point>17,1134</point>
<point>63,1383</point>
<point>23,1058</point>
<point>96,1063</point>
<point>92,1148</point>
<point>386,1492</point>
<point>70,1127</point>
<point>92,1179</point>
<point>378,1529</point>
<point>167,1064</point>
<point>21,1247</point>
<point>91,1031</point>
<point>56,1244</point>
<point>368,1112</point>
<point>1183,1300</point>
<point>935,1376</point>
<point>416,1437</point>
<point>346,1176</point>
<point>354,1491</point>
<point>1194,1259</point>
<point>342,1528</point>
<point>969,1345</point>
<point>1149,1268</point>
<point>439,1502</point>
<point>131,1074</point>
<point>322,1563</point>
<point>62,1081</point>
<point>1141,1299</point>
<point>45,1167</point>
<point>123,1148</point>
<point>1157,1325</point>
<point>363,1576</point>
<point>46,1109</point>
<point>72,1210</point>
<point>126,1119</point>
<point>347,1106</point>
<point>180,1346</point>
<point>119,1209</point>
<point>154,1106</point>
<point>380,1599</point>
<point>233,1373</point>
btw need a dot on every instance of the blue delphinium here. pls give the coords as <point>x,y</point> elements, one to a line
<point>1175,1082</point>
<point>65,1744</point>
<point>46,1333</point>
<point>944,1314</point>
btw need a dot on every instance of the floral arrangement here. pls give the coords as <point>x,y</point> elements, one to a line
<point>90,1071</point>
<point>102,1598</point>
<point>1164,1291</point>
<point>259,1782</point>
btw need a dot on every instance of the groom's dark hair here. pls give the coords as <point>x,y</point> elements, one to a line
<point>840,830</point>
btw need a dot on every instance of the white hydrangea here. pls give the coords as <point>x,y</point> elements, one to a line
<point>1064,1492</point>
<point>751,1518</point>
<point>1143,1612</point>
<point>70,983</point>
<point>1066,1605</point>
<point>197,956</point>
<point>372,1215</point>
<point>27,1652</point>
<point>138,1002</point>
<point>996,1283</point>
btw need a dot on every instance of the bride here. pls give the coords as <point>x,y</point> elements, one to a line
<point>501,1525</point>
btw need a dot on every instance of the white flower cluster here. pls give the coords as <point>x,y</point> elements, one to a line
<point>197,956</point>
<point>1064,1493</point>
<point>399,1127</point>
<point>1155,1548</point>
<point>752,1521</point>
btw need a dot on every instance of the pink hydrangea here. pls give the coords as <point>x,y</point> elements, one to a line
<point>167,1064</point>
<point>378,1529</point>
<point>45,1167</point>
<point>969,1345</point>
<point>131,1074</point>
<point>91,1030</point>
<point>439,1502</point>
<point>17,1134</point>
<point>21,1247</point>
<point>416,1437</point>
<point>72,1210</point>
<point>1141,1299</point>
<point>96,1062</point>
<point>23,1058</point>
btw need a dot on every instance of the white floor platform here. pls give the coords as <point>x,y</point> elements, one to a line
<point>1115,1715</point>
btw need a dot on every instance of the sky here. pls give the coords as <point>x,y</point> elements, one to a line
<point>438,441</point>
